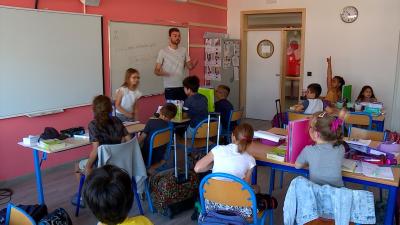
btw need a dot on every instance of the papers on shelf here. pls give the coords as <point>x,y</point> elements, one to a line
<point>361,142</point>
<point>372,170</point>
<point>268,135</point>
<point>127,123</point>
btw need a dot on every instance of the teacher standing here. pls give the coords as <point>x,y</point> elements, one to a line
<point>171,63</point>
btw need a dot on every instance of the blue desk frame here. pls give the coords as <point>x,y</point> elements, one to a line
<point>391,204</point>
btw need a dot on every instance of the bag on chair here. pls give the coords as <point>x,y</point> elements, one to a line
<point>220,217</point>
<point>280,117</point>
<point>57,217</point>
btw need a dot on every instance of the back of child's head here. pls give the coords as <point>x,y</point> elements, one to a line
<point>192,83</point>
<point>225,90</point>
<point>128,74</point>
<point>108,193</point>
<point>244,136</point>
<point>102,108</point>
<point>363,89</point>
<point>328,127</point>
<point>169,110</point>
<point>340,81</point>
<point>315,89</point>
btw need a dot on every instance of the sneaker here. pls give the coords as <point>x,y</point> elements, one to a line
<point>74,201</point>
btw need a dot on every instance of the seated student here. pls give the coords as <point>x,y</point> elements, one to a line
<point>222,105</point>
<point>167,112</point>
<point>196,105</point>
<point>108,193</point>
<point>325,158</point>
<point>233,159</point>
<point>366,95</point>
<point>104,129</point>
<point>334,84</point>
<point>312,104</point>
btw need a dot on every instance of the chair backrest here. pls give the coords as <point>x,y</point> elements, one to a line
<point>17,216</point>
<point>359,133</point>
<point>125,155</point>
<point>230,190</point>
<point>160,138</point>
<point>297,116</point>
<point>359,118</point>
<point>235,116</point>
<point>202,128</point>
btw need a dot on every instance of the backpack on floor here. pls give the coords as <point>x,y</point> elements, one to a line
<point>220,217</point>
<point>57,217</point>
<point>280,118</point>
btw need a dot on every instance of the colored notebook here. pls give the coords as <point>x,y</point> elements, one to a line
<point>298,138</point>
<point>346,92</point>
<point>209,94</point>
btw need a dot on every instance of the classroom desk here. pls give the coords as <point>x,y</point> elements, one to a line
<point>71,143</point>
<point>259,152</point>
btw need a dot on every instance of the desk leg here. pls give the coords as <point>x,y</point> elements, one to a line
<point>272,181</point>
<point>391,205</point>
<point>254,176</point>
<point>39,185</point>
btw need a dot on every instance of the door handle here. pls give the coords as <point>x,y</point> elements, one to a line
<point>277,75</point>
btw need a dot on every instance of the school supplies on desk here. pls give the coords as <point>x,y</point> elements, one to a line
<point>83,136</point>
<point>371,170</point>
<point>52,144</point>
<point>278,153</point>
<point>349,165</point>
<point>268,136</point>
<point>127,123</point>
<point>30,140</point>
<point>298,138</point>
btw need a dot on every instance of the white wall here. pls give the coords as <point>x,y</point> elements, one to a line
<point>363,52</point>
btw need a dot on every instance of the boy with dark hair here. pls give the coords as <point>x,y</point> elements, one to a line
<point>196,105</point>
<point>222,105</point>
<point>167,112</point>
<point>108,193</point>
<point>313,103</point>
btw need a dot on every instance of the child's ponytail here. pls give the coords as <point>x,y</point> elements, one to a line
<point>328,127</point>
<point>244,136</point>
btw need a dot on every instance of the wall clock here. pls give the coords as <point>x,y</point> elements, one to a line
<point>349,14</point>
<point>265,48</point>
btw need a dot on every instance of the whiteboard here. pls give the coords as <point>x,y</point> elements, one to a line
<point>135,45</point>
<point>48,60</point>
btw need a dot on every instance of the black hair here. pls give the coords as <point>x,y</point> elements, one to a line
<point>361,95</point>
<point>108,193</point>
<point>169,110</point>
<point>192,83</point>
<point>226,89</point>
<point>174,29</point>
<point>315,89</point>
<point>341,81</point>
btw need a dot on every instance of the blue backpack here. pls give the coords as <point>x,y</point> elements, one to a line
<point>220,217</point>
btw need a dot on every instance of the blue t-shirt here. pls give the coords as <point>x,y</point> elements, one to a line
<point>224,107</point>
<point>197,108</point>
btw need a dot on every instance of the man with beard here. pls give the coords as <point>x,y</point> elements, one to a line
<point>171,62</point>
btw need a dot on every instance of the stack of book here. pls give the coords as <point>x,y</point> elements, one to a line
<point>278,153</point>
<point>51,144</point>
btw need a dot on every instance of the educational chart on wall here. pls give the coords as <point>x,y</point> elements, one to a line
<point>136,45</point>
<point>222,65</point>
<point>49,61</point>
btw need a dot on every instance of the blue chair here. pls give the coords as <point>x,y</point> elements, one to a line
<point>17,216</point>
<point>162,137</point>
<point>200,142</point>
<point>231,191</point>
<point>128,147</point>
<point>234,119</point>
<point>358,119</point>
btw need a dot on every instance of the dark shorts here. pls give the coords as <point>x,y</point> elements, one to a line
<point>175,94</point>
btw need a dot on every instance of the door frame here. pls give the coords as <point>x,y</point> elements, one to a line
<point>243,56</point>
